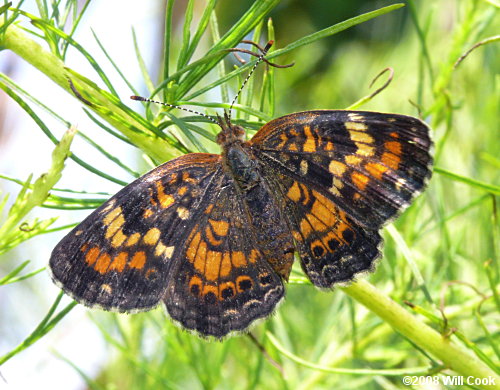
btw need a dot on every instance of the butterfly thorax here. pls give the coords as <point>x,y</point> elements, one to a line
<point>236,155</point>
<point>258,202</point>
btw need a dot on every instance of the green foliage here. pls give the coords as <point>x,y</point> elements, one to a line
<point>440,257</point>
<point>12,231</point>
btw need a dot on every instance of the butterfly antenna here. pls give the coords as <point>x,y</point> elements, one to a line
<point>143,99</point>
<point>260,58</point>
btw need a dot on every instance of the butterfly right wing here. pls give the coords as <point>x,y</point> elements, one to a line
<point>119,258</point>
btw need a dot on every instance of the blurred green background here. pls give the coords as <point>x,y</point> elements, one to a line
<point>440,255</point>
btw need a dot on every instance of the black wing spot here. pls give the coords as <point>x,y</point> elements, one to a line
<point>228,292</point>
<point>210,298</point>
<point>195,289</point>
<point>245,284</point>
<point>333,244</point>
<point>318,251</point>
<point>265,280</point>
<point>348,235</point>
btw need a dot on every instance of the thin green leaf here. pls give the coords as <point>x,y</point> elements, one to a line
<point>187,133</point>
<point>6,20</point>
<point>270,81</point>
<point>142,65</point>
<point>51,136</point>
<point>47,27</point>
<point>106,128</point>
<point>202,26</point>
<point>348,371</point>
<point>167,41</point>
<point>113,63</point>
<point>77,20</point>
<point>23,277</point>
<point>422,38</point>
<point>12,274</point>
<point>108,155</point>
<point>248,91</point>
<point>22,183</point>
<point>16,87</point>
<point>335,29</point>
<point>221,71</point>
<point>467,180</point>
<point>186,35</point>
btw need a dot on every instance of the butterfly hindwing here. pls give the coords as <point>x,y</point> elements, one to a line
<point>331,246</point>
<point>119,257</point>
<point>223,280</point>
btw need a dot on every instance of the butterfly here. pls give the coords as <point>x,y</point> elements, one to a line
<point>213,237</point>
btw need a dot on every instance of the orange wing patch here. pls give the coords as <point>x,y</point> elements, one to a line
<point>133,239</point>
<point>152,236</point>
<point>392,156</point>
<point>360,180</point>
<point>138,260</point>
<point>310,141</point>
<point>214,265</point>
<point>298,192</point>
<point>376,170</point>
<point>103,261</point>
<point>323,227</point>
<point>119,262</point>
<point>166,200</point>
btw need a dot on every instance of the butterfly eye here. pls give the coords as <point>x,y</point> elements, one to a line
<point>221,138</point>
<point>239,133</point>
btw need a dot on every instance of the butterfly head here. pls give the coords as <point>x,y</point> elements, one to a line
<point>230,134</point>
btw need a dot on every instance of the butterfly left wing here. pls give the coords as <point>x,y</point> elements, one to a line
<point>119,257</point>
<point>342,175</point>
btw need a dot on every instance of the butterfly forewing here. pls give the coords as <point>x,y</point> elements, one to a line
<point>119,257</point>
<point>370,164</point>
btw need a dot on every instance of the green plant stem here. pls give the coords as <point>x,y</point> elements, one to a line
<point>16,40</point>
<point>454,356</point>
<point>349,371</point>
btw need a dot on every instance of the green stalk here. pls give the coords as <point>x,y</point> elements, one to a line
<point>454,356</point>
<point>17,41</point>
